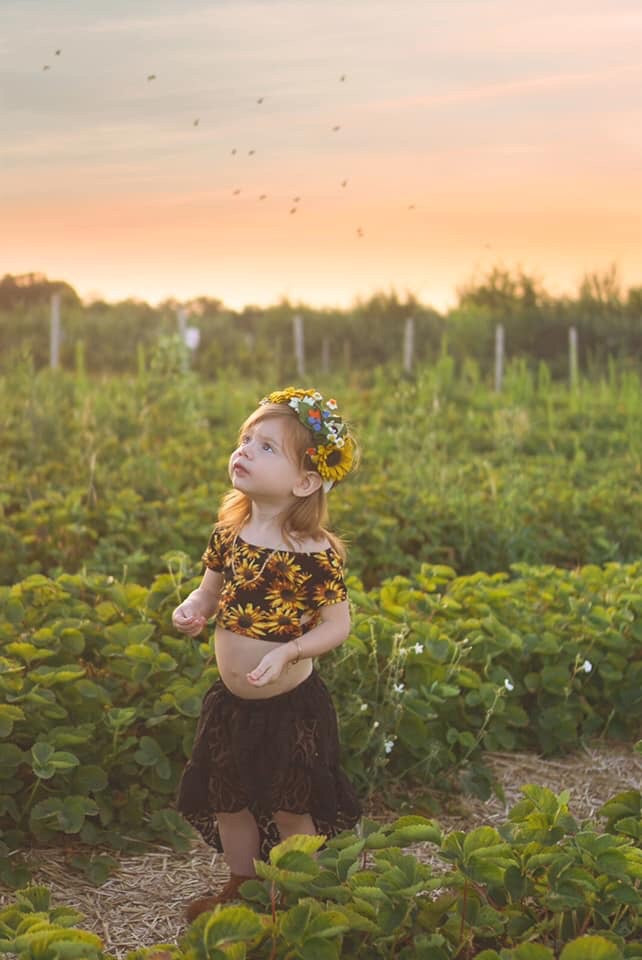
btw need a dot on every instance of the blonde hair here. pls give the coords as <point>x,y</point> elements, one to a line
<point>308,515</point>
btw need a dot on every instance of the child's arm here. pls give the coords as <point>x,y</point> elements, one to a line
<point>332,631</point>
<point>193,613</point>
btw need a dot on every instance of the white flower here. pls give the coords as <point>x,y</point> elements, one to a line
<point>388,745</point>
<point>339,442</point>
<point>399,687</point>
<point>317,396</point>
<point>403,651</point>
<point>418,648</point>
<point>375,725</point>
<point>294,403</point>
<point>364,706</point>
<point>309,400</point>
<point>509,685</point>
<point>587,666</point>
<point>331,404</point>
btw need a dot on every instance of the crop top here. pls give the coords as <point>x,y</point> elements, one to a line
<point>280,601</point>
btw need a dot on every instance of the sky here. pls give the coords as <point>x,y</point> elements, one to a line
<point>319,150</point>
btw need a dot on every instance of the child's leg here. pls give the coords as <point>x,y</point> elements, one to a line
<point>239,834</point>
<point>291,823</point>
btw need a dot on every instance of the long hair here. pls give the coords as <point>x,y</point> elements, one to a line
<point>308,515</point>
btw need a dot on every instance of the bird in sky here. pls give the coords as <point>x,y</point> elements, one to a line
<point>151,76</point>
<point>411,206</point>
<point>46,67</point>
<point>57,53</point>
<point>236,193</point>
<point>293,210</point>
<point>260,100</point>
<point>251,153</point>
<point>342,78</point>
<point>359,232</point>
<point>344,183</point>
<point>196,122</point>
<point>263,196</point>
<point>233,151</point>
<point>296,199</point>
<point>338,127</point>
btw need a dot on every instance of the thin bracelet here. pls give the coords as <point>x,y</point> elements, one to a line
<point>298,652</point>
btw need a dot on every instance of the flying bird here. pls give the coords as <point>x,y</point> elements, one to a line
<point>233,151</point>
<point>296,199</point>
<point>260,100</point>
<point>196,121</point>
<point>251,152</point>
<point>236,193</point>
<point>151,76</point>
<point>46,67</point>
<point>344,183</point>
<point>263,196</point>
<point>57,53</point>
<point>411,206</point>
<point>359,232</point>
<point>342,78</point>
<point>336,128</point>
<point>293,210</point>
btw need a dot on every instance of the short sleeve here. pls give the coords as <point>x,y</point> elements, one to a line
<point>327,585</point>
<point>213,557</point>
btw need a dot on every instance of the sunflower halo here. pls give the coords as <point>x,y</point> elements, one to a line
<point>333,450</point>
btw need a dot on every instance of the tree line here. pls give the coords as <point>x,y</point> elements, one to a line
<point>113,337</point>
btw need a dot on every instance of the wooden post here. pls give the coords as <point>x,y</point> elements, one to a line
<point>325,355</point>
<point>299,350</point>
<point>347,354</point>
<point>499,357</point>
<point>572,358</point>
<point>181,317</point>
<point>409,344</point>
<point>54,337</point>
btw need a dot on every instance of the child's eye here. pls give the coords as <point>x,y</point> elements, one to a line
<point>244,439</point>
<point>268,446</point>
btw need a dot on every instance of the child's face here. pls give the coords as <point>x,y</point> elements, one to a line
<point>261,466</point>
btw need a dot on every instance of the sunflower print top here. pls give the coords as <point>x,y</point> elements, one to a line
<point>283,600</point>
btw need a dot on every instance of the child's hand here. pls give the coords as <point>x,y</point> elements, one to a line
<point>187,620</point>
<point>269,669</point>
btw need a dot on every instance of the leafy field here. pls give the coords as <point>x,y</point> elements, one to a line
<point>496,585</point>
<point>108,476</point>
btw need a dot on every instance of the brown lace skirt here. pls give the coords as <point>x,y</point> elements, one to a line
<point>281,753</point>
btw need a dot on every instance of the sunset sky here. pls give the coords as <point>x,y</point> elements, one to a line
<point>472,133</point>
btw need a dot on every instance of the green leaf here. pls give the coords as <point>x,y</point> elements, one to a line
<point>300,842</point>
<point>8,716</point>
<point>590,948</point>
<point>230,924</point>
<point>319,950</point>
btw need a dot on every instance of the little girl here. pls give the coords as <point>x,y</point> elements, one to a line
<point>265,761</point>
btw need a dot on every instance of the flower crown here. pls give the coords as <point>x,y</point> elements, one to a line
<point>333,452</point>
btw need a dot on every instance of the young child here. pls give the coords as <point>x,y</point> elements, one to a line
<point>265,761</point>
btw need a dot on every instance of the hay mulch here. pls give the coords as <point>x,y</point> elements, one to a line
<point>142,903</point>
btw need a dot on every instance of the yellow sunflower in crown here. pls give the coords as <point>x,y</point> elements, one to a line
<point>332,461</point>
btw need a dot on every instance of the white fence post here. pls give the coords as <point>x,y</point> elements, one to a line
<point>409,344</point>
<point>499,357</point>
<point>54,336</point>
<point>572,357</point>
<point>299,350</point>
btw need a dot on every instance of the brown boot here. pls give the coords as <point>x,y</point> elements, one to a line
<point>229,892</point>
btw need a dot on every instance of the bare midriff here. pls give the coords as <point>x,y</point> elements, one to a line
<point>237,655</point>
